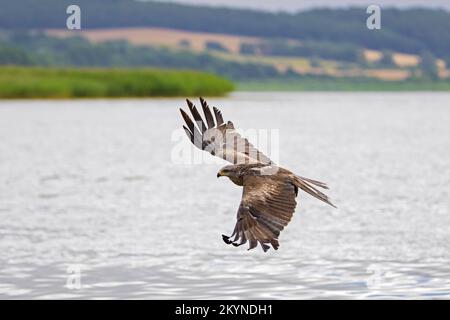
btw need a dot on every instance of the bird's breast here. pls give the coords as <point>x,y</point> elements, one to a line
<point>237,180</point>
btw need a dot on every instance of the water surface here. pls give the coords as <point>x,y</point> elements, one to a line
<point>93,185</point>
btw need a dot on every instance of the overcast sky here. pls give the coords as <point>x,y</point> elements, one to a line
<point>296,5</point>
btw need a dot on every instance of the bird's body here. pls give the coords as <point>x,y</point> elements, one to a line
<point>241,173</point>
<point>269,191</point>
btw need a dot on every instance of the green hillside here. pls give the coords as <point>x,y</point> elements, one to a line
<point>410,31</point>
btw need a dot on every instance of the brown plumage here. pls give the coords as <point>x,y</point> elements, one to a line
<point>269,191</point>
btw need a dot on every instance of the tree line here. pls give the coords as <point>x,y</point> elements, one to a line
<point>409,31</point>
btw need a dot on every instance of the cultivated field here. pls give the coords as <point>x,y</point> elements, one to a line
<point>198,41</point>
<point>161,37</point>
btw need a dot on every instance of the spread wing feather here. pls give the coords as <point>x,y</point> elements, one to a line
<point>218,115</point>
<point>208,114</point>
<point>198,119</point>
<point>219,138</point>
<point>267,206</point>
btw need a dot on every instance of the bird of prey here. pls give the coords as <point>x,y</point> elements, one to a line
<point>269,191</point>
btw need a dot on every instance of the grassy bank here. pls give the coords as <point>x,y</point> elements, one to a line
<point>341,84</point>
<point>23,82</point>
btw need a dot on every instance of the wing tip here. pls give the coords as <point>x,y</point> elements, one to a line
<point>265,247</point>
<point>226,239</point>
<point>207,112</point>
<point>183,113</point>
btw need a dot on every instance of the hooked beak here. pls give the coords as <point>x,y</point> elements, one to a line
<point>219,174</point>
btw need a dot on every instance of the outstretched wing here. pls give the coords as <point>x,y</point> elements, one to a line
<point>267,205</point>
<point>219,138</point>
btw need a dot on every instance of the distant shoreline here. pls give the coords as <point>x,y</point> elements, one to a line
<point>65,83</point>
<point>69,83</point>
<point>343,85</point>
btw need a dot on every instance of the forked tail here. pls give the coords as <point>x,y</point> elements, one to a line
<point>306,185</point>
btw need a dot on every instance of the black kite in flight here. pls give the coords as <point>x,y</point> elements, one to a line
<point>269,191</point>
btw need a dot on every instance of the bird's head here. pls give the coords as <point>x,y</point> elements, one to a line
<point>227,171</point>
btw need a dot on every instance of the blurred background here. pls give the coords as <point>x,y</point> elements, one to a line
<point>281,45</point>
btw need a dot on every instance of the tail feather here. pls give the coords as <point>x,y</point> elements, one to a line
<point>306,185</point>
<point>315,182</point>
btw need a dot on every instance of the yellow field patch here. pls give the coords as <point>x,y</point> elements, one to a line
<point>159,37</point>
<point>372,55</point>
